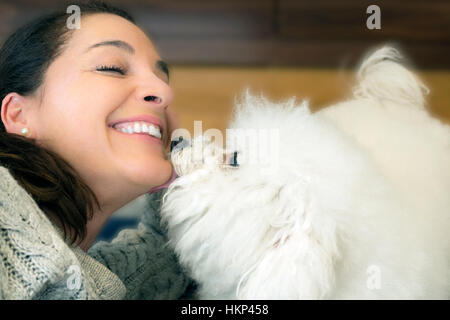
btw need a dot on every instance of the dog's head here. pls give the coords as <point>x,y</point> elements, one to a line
<point>258,148</point>
<point>262,171</point>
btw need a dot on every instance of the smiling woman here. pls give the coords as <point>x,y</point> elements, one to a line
<point>85,125</point>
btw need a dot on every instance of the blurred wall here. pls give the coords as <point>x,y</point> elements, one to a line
<point>207,93</point>
<point>216,48</point>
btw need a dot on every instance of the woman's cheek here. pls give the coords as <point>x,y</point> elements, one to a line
<point>172,122</point>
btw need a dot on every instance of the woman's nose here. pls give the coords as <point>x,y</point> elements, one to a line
<point>155,92</point>
<point>157,98</point>
<point>153,98</point>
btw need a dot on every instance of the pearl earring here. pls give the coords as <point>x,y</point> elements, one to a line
<point>24,131</point>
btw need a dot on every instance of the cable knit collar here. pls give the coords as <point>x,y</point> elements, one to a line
<point>34,257</point>
<point>106,284</point>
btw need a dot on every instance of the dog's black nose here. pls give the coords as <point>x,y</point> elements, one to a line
<point>174,143</point>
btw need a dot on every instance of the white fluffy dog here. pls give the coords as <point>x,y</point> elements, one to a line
<point>353,203</point>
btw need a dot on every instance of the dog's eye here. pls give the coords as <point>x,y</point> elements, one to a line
<point>234,162</point>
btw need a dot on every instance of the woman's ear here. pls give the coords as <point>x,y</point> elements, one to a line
<point>15,113</point>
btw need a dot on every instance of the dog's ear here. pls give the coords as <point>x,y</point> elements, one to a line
<point>298,263</point>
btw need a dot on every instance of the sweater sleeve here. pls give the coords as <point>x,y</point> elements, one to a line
<point>140,257</point>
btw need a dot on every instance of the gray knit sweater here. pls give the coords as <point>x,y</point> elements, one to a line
<point>36,263</point>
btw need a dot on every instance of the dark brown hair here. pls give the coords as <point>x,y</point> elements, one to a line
<point>50,180</point>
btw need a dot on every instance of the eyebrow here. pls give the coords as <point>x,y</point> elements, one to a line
<point>115,43</point>
<point>160,64</point>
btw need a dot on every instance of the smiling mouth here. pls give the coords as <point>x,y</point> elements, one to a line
<point>141,136</point>
<point>140,128</point>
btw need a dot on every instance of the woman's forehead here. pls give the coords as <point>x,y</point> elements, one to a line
<point>98,28</point>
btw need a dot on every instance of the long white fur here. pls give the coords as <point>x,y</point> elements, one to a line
<point>361,193</point>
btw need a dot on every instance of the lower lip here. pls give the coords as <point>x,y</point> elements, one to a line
<point>141,136</point>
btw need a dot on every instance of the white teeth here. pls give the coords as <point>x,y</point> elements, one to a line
<point>154,131</point>
<point>139,128</point>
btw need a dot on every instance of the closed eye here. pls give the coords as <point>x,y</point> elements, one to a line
<point>111,68</point>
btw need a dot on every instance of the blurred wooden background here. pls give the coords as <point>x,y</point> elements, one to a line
<point>207,93</point>
<point>280,48</point>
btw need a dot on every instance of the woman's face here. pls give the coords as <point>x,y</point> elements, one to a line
<point>103,76</point>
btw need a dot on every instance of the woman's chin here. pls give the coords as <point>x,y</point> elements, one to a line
<point>153,172</point>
